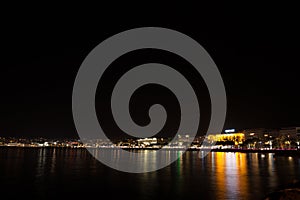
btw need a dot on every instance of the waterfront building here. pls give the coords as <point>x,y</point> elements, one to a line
<point>291,132</point>
<point>261,133</point>
<point>237,138</point>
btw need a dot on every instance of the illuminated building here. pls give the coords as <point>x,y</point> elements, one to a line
<point>261,133</point>
<point>266,134</point>
<point>291,132</point>
<point>298,131</point>
<point>147,141</point>
<point>237,138</point>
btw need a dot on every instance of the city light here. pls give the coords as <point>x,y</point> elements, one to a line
<point>229,130</point>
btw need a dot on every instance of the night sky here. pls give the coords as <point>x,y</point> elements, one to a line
<point>255,47</point>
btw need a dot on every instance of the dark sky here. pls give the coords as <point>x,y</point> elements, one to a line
<point>256,48</point>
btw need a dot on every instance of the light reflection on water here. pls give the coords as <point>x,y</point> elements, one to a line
<point>230,175</point>
<point>47,173</point>
<point>135,161</point>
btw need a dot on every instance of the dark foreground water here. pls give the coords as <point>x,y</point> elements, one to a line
<point>74,174</point>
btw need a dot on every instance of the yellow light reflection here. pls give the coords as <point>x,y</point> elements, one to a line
<point>234,181</point>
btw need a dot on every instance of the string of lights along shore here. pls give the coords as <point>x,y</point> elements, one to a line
<point>286,138</point>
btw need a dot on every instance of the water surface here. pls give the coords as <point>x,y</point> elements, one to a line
<point>42,173</point>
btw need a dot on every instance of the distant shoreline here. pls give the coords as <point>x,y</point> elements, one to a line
<point>277,152</point>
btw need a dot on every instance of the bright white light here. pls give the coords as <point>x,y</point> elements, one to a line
<point>229,130</point>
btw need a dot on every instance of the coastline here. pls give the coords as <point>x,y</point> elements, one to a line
<point>276,152</point>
